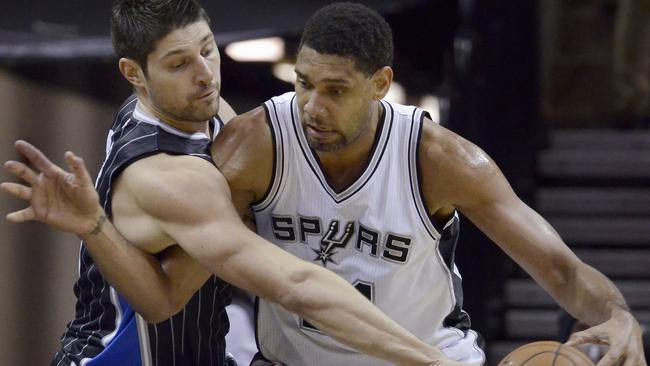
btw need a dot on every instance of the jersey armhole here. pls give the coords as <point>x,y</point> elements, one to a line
<point>415,175</point>
<point>276,174</point>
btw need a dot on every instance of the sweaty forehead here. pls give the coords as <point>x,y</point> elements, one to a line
<point>314,65</point>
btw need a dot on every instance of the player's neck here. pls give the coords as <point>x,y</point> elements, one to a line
<point>344,166</point>
<point>185,126</point>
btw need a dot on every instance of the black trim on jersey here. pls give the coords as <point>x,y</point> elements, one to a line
<point>458,318</point>
<point>269,189</point>
<point>417,174</point>
<point>328,189</point>
<point>447,248</point>
<point>293,122</point>
<point>439,225</point>
<point>448,231</point>
<point>375,143</point>
<point>448,241</point>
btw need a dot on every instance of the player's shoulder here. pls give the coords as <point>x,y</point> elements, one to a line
<point>441,145</point>
<point>256,122</point>
<point>164,179</point>
<point>247,133</point>
<point>455,171</point>
<point>251,122</point>
<point>162,168</point>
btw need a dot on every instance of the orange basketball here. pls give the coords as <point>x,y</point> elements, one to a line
<point>546,353</point>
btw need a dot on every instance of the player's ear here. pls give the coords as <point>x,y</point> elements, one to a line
<point>381,80</point>
<point>132,72</point>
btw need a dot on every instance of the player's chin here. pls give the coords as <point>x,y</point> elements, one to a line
<point>205,113</point>
<point>326,145</point>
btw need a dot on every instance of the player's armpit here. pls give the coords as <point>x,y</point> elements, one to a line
<point>184,277</point>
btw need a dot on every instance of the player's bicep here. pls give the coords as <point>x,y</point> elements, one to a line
<point>226,247</point>
<point>192,206</point>
<point>488,200</point>
<point>131,219</point>
<point>474,184</point>
<point>493,206</point>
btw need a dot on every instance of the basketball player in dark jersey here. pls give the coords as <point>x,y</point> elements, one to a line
<point>158,185</point>
<point>195,335</point>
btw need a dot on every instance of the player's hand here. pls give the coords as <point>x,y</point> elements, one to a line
<point>63,200</point>
<point>622,334</point>
<point>446,363</point>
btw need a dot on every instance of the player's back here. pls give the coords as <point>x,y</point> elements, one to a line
<point>106,331</point>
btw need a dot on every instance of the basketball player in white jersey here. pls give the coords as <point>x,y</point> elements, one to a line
<point>370,190</point>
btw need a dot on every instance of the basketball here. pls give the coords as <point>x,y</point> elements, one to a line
<point>546,353</point>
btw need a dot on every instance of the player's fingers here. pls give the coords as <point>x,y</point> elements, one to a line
<point>78,167</point>
<point>610,358</point>
<point>629,361</point>
<point>35,156</point>
<point>21,171</point>
<point>22,215</point>
<point>17,190</point>
<point>579,338</point>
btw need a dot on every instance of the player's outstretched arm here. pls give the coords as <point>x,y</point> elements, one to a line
<point>474,184</point>
<point>201,219</point>
<point>157,288</point>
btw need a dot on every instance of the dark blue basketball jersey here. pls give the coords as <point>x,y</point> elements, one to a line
<point>106,331</point>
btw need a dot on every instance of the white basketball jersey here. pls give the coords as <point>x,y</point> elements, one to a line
<point>376,234</point>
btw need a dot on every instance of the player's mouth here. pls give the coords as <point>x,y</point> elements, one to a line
<point>319,132</point>
<point>208,95</point>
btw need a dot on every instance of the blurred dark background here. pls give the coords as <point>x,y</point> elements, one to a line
<point>528,81</point>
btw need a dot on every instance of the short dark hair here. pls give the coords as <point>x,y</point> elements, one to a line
<point>138,25</point>
<point>351,30</point>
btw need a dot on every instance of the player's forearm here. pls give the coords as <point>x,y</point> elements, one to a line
<point>580,289</point>
<point>136,275</point>
<point>350,318</point>
<point>593,298</point>
<point>312,292</point>
<point>539,249</point>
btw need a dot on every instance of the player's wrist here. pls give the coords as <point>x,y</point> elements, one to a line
<point>95,225</point>
<point>620,311</point>
<point>435,357</point>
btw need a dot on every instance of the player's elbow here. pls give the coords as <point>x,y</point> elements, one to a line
<point>159,309</point>
<point>302,295</point>
<point>159,313</point>
<point>153,316</point>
